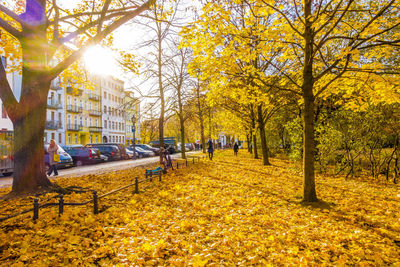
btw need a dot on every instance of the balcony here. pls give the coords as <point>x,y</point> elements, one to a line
<point>55,86</point>
<point>95,113</point>
<point>94,97</point>
<point>74,91</point>
<point>74,127</point>
<point>74,108</point>
<point>53,104</point>
<point>95,129</point>
<point>53,125</point>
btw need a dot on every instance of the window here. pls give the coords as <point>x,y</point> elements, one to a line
<point>123,139</point>
<point>53,136</point>
<point>91,138</point>
<point>80,121</point>
<point>69,119</point>
<point>81,104</point>
<point>86,105</point>
<point>105,95</point>
<point>60,138</point>
<point>97,123</point>
<point>97,139</point>
<point>90,105</point>
<point>68,100</point>
<point>3,112</point>
<point>105,109</point>
<point>85,121</point>
<point>76,138</point>
<point>105,124</point>
<point>90,122</point>
<point>75,120</point>
<point>69,138</point>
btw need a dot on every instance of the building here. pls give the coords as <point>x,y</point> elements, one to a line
<point>15,82</point>
<point>113,115</point>
<point>132,108</point>
<point>83,114</point>
<point>55,123</point>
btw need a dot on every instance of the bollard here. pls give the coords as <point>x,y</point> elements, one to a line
<point>61,204</point>
<point>35,209</point>
<point>95,203</point>
<point>159,176</point>
<point>136,185</point>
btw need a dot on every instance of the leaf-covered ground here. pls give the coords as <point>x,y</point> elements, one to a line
<point>229,211</point>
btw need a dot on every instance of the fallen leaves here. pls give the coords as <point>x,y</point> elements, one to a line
<point>229,211</point>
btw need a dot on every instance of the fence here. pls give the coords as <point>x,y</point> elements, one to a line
<point>95,199</point>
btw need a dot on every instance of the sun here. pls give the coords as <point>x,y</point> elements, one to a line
<point>100,60</point>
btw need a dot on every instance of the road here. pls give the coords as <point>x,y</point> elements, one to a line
<point>96,168</point>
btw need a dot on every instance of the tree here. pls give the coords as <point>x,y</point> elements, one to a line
<point>42,31</point>
<point>325,40</point>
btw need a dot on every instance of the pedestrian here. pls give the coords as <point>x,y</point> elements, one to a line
<point>235,148</point>
<point>54,157</point>
<point>210,149</point>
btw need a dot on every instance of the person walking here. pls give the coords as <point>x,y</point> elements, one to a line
<point>53,157</point>
<point>235,148</point>
<point>210,149</point>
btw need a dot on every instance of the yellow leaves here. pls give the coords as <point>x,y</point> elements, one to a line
<point>231,211</point>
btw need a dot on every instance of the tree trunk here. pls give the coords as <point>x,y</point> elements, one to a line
<point>203,140</point>
<point>29,167</point>
<point>161,88</point>
<point>309,192</point>
<point>261,127</point>
<point>181,121</point>
<point>253,125</point>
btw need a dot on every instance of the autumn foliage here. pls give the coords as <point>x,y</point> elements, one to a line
<point>229,211</point>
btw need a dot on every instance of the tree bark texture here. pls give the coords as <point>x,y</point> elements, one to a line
<point>309,192</point>
<point>253,125</point>
<point>261,127</point>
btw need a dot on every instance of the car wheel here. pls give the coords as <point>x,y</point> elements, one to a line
<point>79,163</point>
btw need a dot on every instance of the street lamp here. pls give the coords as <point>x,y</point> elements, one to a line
<point>134,133</point>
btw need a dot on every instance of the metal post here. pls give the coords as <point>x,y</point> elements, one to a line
<point>61,204</point>
<point>147,175</point>
<point>35,209</point>
<point>95,203</point>
<point>136,185</point>
<point>159,175</point>
<point>151,176</point>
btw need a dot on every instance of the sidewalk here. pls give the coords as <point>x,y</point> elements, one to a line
<point>99,168</point>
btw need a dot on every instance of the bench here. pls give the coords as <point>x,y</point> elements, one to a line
<point>156,171</point>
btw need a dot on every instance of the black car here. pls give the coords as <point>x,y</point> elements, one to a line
<point>121,148</point>
<point>112,152</point>
<point>83,155</point>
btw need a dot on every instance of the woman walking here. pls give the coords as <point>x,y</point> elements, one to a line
<point>53,157</point>
<point>210,149</point>
<point>236,149</point>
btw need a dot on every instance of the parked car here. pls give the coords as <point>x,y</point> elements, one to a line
<point>65,159</point>
<point>83,155</point>
<point>156,150</point>
<point>129,151</point>
<point>143,153</point>
<point>112,152</point>
<point>121,147</point>
<point>189,146</point>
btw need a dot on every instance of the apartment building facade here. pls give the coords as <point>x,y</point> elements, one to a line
<point>113,111</point>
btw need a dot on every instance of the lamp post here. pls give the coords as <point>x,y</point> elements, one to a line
<point>134,137</point>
